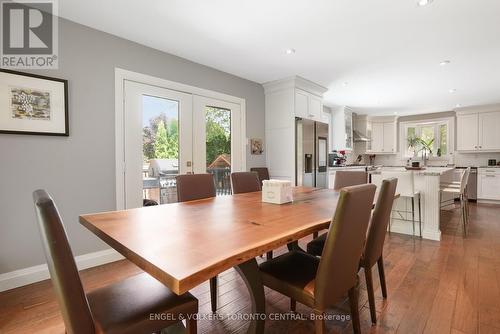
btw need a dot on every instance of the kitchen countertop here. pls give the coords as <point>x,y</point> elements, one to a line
<point>429,171</point>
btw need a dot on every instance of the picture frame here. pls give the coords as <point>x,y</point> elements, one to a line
<point>33,104</point>
<point>256,146</point>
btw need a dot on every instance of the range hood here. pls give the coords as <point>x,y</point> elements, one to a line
<point>358,137</point>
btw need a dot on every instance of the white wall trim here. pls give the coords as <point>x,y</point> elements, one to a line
<point>25,276</point>
<point>120,76</point>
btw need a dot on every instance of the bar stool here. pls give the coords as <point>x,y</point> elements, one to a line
<point>405,189</point>
<point>458,189</point>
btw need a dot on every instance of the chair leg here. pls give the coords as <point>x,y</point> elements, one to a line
<point>213,293</point>
<point>353,301</point>
<point>413,214</point>
<point>293,305</point>
<point>381,273</point>
<point>315,235</point>
<point>464,218</point>
<point>319,322</point>
<point>420,214</point>
<point>269,255</point>
<point>371,294</point>
<point>191,326</point>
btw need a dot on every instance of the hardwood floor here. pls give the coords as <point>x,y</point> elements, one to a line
<point>447,287</point>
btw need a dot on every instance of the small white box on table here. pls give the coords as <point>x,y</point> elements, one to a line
<point>277,191</point>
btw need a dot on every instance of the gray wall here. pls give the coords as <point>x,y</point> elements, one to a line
<point>79,170</point>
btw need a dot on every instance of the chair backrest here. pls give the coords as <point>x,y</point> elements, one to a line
<point>380,219</point>
<point>347,178</point>
<point>245,182</point>
<point>464,180</point>
<point>263,173</point>
<point>406,182</point>
<point>63,272</point>
<point>339,262</point>
<point>191,187</point>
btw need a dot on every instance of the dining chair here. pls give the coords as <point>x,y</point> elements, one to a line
<point>347,178</point>
<point>123,307</point>
<point>263,173</point>
<point>191,187</point>
<point>343,178</point>
<point>375,241</point>
<point>321,282</point>
<point>245,182</point>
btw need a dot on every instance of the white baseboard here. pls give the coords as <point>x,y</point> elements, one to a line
<point>25,276</point>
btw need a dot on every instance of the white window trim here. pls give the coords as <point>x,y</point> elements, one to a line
<point>450,121</point>
<point>120,76</point>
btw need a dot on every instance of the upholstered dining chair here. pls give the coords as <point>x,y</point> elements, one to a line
<point>347,178</point>
<point>191,187</point>
<point>123,307</point>
<point>263,173</point>
<point>245,182</point>
<point>374,241</point>
<point>321,282</point>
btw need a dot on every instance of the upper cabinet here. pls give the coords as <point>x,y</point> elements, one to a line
<point>342,127</point>
<point>381,133</point>
<point>309,106</point>
<point>478,129</point>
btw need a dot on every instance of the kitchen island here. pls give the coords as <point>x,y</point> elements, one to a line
<point>427,183</point>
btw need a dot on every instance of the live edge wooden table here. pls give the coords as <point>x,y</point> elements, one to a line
<point>185,244</point>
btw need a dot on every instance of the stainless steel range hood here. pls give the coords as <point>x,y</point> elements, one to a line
<point>358,137</point>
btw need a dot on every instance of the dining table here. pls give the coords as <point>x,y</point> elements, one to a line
<point>183,245</point>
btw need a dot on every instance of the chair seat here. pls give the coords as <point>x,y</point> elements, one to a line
<point>292,274</point>
<point>125,307</point>
<point>315,247</point>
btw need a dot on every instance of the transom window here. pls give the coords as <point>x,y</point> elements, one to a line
<point>430,137</point>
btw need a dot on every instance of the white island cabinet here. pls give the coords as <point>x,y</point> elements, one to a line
<point>427,183</point>
<point>488,184</point>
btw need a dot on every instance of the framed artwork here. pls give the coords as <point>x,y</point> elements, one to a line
<point>33,104</point>
<point>256,147</point>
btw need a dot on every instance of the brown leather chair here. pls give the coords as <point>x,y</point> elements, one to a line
<point>347,178</point>
<point>124,307</point>
<point>320,283</point>
<point>245,182</point>
<point>192,187</point>
<point>375,240</point>
<point>263,173</point>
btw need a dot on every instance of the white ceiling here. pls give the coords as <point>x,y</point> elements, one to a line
<point>388,51</point>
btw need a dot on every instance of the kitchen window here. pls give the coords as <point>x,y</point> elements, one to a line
<point>434,134</point>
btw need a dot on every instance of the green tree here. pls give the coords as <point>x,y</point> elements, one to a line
<point>218,129</point>
<point>166,142</point>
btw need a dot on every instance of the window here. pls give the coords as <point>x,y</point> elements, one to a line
<point>421,136</point>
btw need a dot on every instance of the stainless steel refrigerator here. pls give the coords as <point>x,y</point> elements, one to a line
<point>311,153</point>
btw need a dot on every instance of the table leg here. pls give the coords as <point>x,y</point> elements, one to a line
<point>250,273</point>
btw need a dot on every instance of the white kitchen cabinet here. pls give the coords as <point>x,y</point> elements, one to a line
<point>342,138</point>
<point>488,184</point>
<point>285,100</point>
<point>478,129</point>
<point>383,136</point>
<point>489,130</point>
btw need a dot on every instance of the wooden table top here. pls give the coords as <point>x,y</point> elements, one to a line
<point>185,244</point>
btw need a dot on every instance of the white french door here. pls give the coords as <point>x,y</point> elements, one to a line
<point>168,132</point>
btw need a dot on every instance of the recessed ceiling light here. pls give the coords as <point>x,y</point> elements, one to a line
<point>458,105</point>
<point>444,62</point>
<point>290,51</point>
<point>422,3</point>
<point>345,83</point>
<point>452,90</point>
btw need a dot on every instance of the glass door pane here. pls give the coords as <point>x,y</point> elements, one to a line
<point>218,147</point>
<point>160,149</point>
<point>158,141</point>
